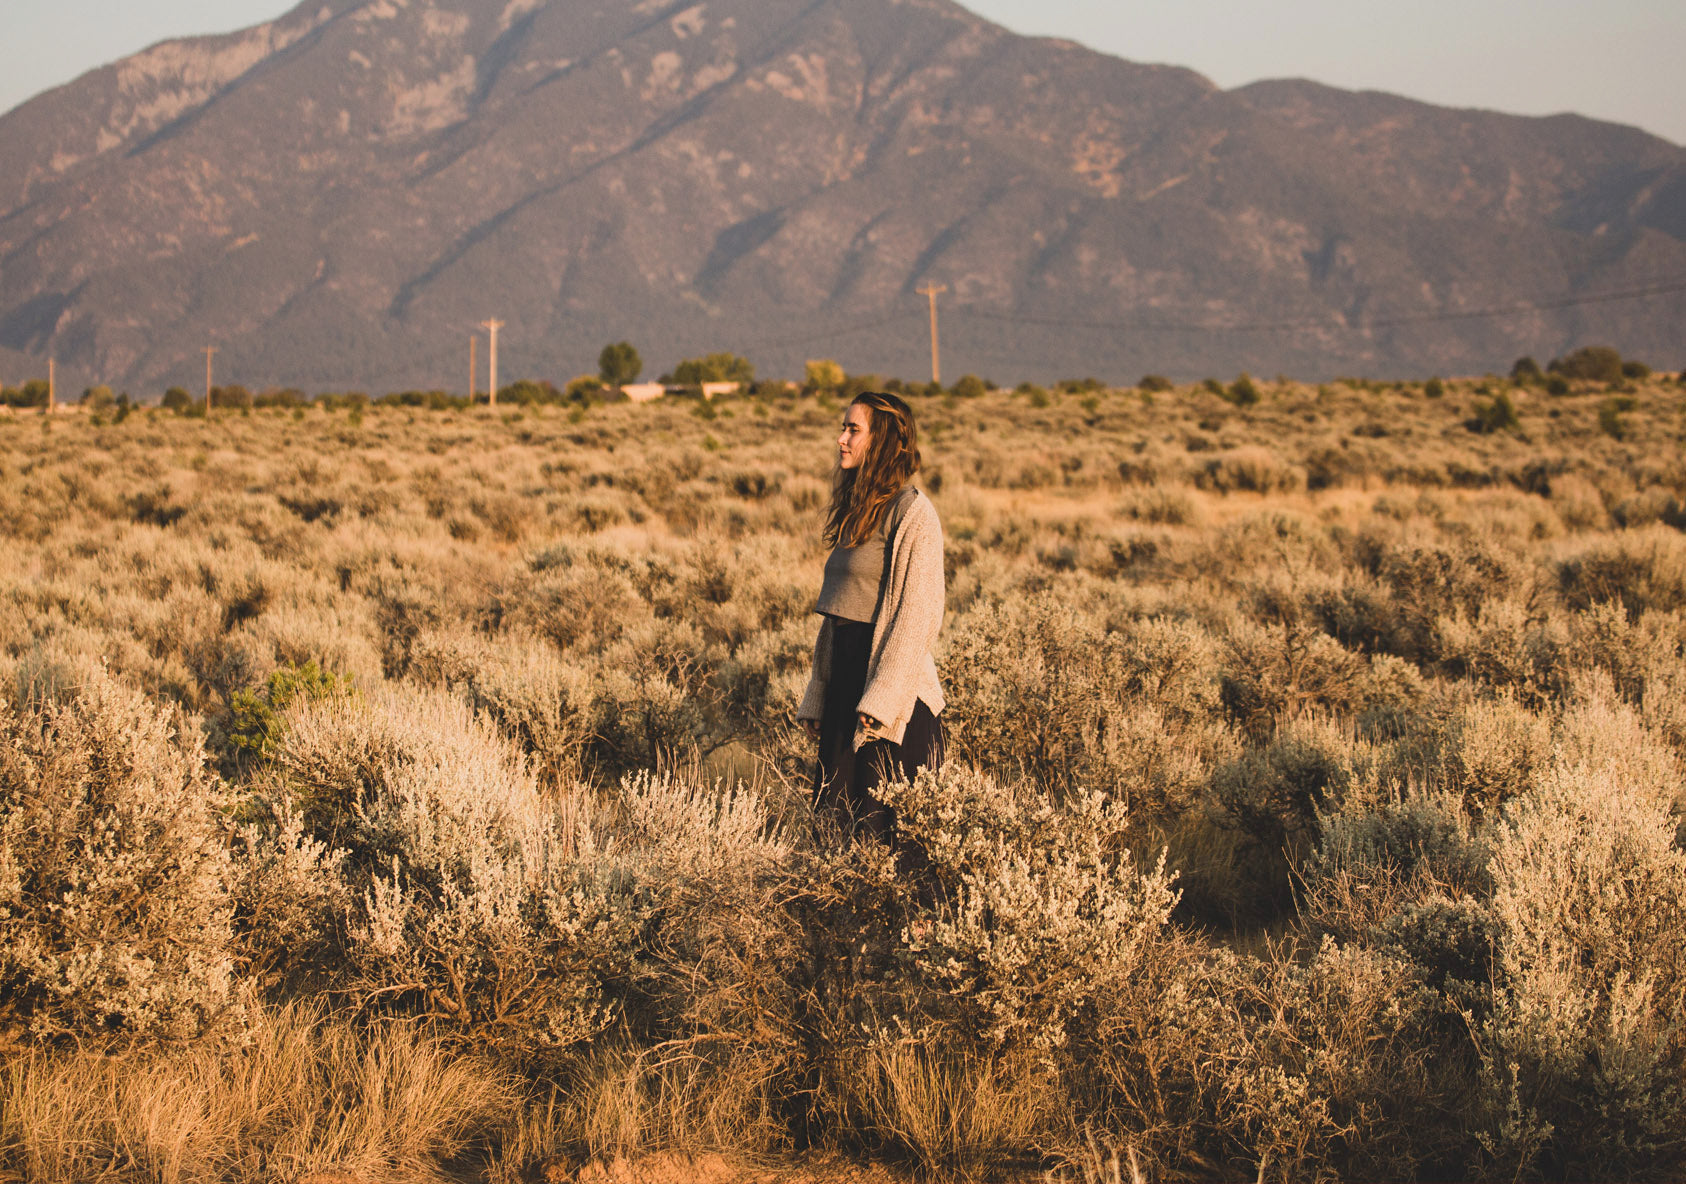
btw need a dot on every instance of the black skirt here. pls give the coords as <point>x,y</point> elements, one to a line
<point>845,779</point>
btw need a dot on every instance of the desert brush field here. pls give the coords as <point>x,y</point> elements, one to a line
<point>404,794</point>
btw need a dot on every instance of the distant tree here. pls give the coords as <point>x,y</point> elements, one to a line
<point>586,387</point>
<point>1526,372</point>
<point>1590,363</point>
<point>225,398</point>
<point>1243,392</point>
<point>718,367</point>
<point>619,364</point>
<point>1154,383</point>
<point>526,392</point>
<point>970,386</point>
<point>1636,370</point>
<point>98,398</point>
<point>822,374</point>
<point>858,384</point>
<point>32,394</point>
<point>1556,384</point>
<point>176,399</point>
<point>1434,388</point>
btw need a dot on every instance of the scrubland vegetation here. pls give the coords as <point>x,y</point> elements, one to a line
<point>414,794</point>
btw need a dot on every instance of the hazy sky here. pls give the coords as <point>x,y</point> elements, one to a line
<point>1623,60</point>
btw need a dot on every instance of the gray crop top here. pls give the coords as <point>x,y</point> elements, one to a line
<point>854,576</point>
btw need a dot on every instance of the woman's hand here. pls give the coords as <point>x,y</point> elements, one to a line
<point>868,724</point>
<point>812,727</point>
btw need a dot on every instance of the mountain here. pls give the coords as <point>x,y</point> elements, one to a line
<point>336,198</point>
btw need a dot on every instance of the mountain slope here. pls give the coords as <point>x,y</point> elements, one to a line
<point>337,197</point>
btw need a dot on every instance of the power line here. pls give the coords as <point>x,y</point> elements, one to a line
<point>1553,305</point>
<point>827,334</point>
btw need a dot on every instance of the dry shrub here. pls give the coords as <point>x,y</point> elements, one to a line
<point>1282,669</point>
<point>114,871</point>
<point>1506,646</point>
<point>1162,505</point>
<point>1643,569</point>
<point>541,702</point>
<point>1122,710</point>
<point>1429,585</point>
<point>1585,1053</point>
<point>1022,920</point>
<point>1495,751</point>
<point>1646,507</point>
<point>1578,503</point>
<point>569,597</point>
<point>458,876</point>
<point>1375,859</point>
<point>1327,1066</point>
<point>1250,470</point>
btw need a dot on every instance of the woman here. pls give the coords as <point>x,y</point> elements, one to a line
<point>874,702</point>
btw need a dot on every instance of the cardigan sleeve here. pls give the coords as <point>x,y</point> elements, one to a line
<point>909,620</point>
<point>813,699</point>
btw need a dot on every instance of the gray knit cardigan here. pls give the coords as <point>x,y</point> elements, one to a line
<point>900,669</point>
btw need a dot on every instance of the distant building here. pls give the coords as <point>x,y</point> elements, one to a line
<point>711,389</point>
<point>643,392</point>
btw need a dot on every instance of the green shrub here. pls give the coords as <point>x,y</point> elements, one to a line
<point>1526,372</point>
<point>1243,392</point>
<point>1610,412</point>
<point>970,386</point>
<point>254,722</point>
<point>1434,388</point>
<point>1495,415</point>
<point>1590,363</point>
<point>1155,383</point>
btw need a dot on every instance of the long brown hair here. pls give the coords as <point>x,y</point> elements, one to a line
<point>861,496</point>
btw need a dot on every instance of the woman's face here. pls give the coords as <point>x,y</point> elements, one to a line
<point>855,436</point>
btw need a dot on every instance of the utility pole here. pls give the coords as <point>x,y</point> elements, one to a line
<point>492,328</point>
<point>52,393</point>
<point>473,373</point>
<point>933,291</point>
<point>210,350</point>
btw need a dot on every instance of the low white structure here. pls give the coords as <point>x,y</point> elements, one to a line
<point>643,392</point>
<point>711,389</point>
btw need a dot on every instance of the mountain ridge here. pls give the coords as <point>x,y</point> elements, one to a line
<point>335,198</point>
